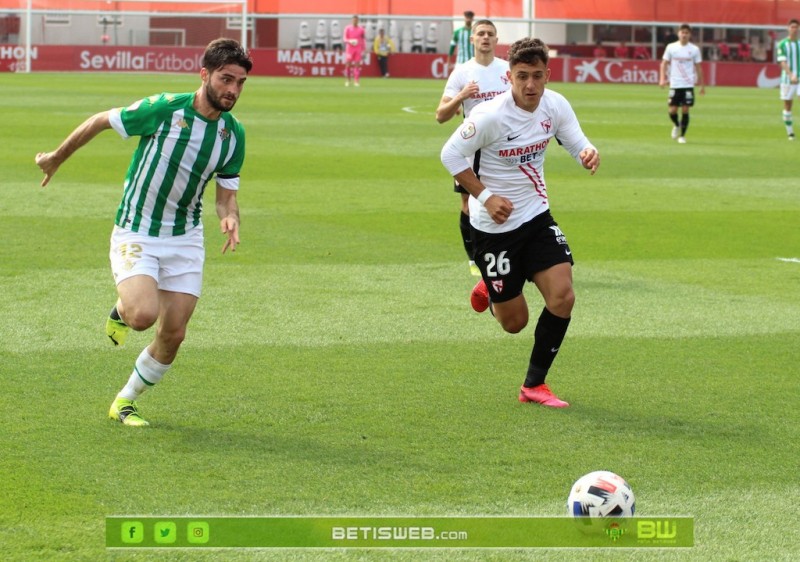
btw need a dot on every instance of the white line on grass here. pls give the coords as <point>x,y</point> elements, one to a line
<point>412,109</point>
<point>792,260</point>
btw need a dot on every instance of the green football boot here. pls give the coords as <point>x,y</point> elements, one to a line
<point>117,331</point>
<point>125,411</point>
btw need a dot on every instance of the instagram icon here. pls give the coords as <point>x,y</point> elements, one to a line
<point>197,532</point>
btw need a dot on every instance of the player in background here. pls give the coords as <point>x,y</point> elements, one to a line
<point>682,60</point>
<point>355,42</point>
<point>461,43</point>
<point>383,47</point>
<point>788,56</point>
<point>479,79</point>
<point>157,251</point>
<point>515,237</point>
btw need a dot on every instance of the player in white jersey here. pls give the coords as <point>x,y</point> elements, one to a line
<point>788,56</point>
<point>682,60</point>
<point>516,239</point>
<point>480,79</point>
<point>157,250</point>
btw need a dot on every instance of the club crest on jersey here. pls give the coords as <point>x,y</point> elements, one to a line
<point>468,130</point>
<point>182,124</point>
<point>224,134</point>
<point>497,285</point>
<point>547,125</point>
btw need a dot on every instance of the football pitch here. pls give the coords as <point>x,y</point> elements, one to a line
<point>334,365</point>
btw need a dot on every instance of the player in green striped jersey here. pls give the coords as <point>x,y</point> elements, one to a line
<point>461,44</point>
<point>157,251</point>
<point>788,56</point>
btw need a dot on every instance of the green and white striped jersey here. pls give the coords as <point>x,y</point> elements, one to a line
<point>461,41</point>
<point>179,152</point>
<point>789,51</point>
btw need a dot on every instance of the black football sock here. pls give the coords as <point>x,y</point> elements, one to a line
<point>549,333</point>
<point>466,235</point>
<point>674,117</point>
<point>684,123</point>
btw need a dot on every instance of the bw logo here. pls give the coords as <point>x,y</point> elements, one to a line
<point>656,530</point>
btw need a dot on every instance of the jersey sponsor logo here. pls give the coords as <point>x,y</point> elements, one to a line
<point>468,130</point>
<point>485,96</point>
<point>523,150</point>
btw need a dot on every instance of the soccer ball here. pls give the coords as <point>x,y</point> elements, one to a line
<point>601,494</point>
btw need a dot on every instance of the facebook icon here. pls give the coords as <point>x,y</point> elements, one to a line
<point>132,532</point>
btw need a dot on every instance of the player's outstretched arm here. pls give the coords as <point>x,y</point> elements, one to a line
<point>228,213</point>
<point>86,131</point>
<point>590,159</point>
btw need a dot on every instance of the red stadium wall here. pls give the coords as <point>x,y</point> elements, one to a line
<point>296,62</point>
<point>446,8</point>
<point>753,12</point>
<point>743,12</point>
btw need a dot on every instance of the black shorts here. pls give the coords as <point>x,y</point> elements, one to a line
<point>476,167</point>
<point>508,259</point>
<point>681,96</point>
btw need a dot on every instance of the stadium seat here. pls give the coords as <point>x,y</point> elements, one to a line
<point>432,39</point>
<point>370,30</point>
<point>337,44</point>
<point>394,32</point>
<point>303,36</point>
<point>405,40</point>
<point>321,36</point>
<point>417,38</point>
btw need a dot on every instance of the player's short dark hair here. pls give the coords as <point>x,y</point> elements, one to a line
<point>685,26</point>
<point>793,20</point>
<point>528,51</point>
<point>483,22</point>
<point>224,51</point>
<point>469,14</point>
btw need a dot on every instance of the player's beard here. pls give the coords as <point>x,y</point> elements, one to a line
<point>217,101</point>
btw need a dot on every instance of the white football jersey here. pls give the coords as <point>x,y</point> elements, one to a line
<point>512,142</point>
<point>492,81</point>
<point>682,59</point>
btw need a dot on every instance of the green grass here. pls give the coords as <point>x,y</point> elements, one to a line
<point>334,367</point>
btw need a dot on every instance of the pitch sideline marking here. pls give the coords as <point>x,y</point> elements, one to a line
<point>411,109</point>
<point>791,260</point>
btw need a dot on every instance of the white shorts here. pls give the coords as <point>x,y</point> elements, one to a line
<point>175,262</point>
<point>788,91</point>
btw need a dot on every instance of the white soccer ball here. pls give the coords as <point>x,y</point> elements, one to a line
<point>601,494</point>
